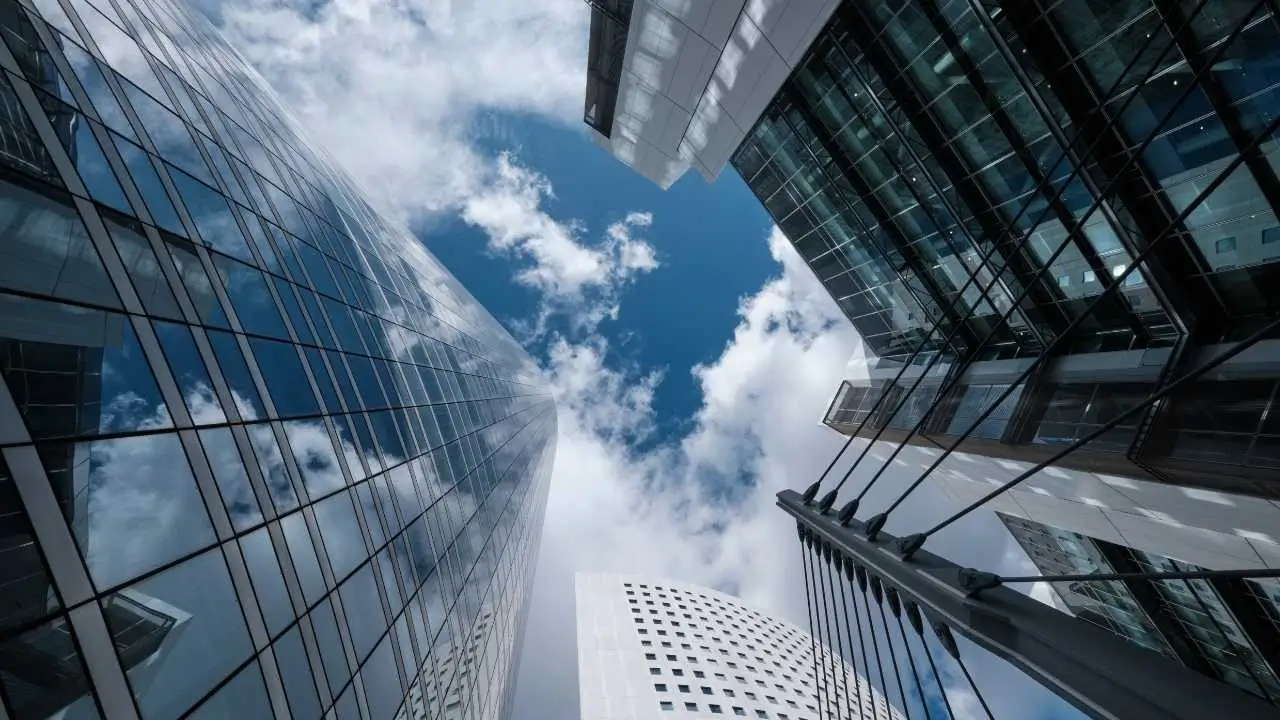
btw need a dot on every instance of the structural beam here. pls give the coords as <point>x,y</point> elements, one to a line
<point>1098,672</point>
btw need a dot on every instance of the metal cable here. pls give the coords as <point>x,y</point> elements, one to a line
<point>974,686</point>
<point>1176,575</point>
<point>959,295</point>
<point>860,679</point>
<point>937,677</point>
<point>893,656</point>
<point>862,643</point>
<point>813,642</point>
<point>1153,397</point>
<point>875,644</point>
<point>911,660</point>
<point>1240,347</point>
<point>824,643</point>
<point>843,677</point>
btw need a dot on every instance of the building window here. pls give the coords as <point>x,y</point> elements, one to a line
<point>739,712</point>
<point>691,706</point>
<point>1225,245</point>
<point>715,710</point>
<point>761,714</point>
<point>706,690</point>
<point>1270,235</point>
<point>682,688</point>
<point>1064,280</point>
<point>666,705</point>
<point>650,656</point>
<point>655,671</point>
<point>1090,276</point>
<point>660,687</point>
<point>677,672</point>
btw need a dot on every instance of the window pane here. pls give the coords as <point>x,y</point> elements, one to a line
<point>140,262</point>
<point>46,250</point>
<point>244,696</point>
<point>330,642</point>
<point>284,378</point>
<point>54,643</point>
<point>140,508</point>
<point>304,558</point>
<point>340,533</point>
<point>295,672</point>
<point>268,582</point>
<point>253,303</point>
<point>233,481</point>
<point>189,372</point>
<point>178,633</point>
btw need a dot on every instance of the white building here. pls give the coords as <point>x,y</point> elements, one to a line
<point>695,76</point>
<point>655,649</point>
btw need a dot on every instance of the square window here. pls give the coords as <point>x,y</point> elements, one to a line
<point>660,687</point>
<point>699,674</point>
<point>683,688</point>
<point>739,712</point>
<point>716,710</point>
<point>1270,235</point>
<point>646,643</point>
<point>1225,245</point>
<point>691,706</point>
<point>677,672</point>
<point>655,671</point>
<point>761,714</point>
<point>706,690</point>
<point>650,656</point>
<point>666,705</point>
<point>1090,276</point>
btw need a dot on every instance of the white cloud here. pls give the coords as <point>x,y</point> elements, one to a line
<point>406,96</point>
<point>701,509</point>
<point>577,278</point>
<point>403,93</point>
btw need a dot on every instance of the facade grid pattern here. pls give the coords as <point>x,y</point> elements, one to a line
<point>260,454</point>
<point>649,648</point>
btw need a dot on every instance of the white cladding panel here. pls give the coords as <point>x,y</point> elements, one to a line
<point>697,74</point>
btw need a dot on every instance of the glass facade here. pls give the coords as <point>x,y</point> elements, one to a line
<point>967,178</point>
<point>1224,628</point>
<point>260,454</point>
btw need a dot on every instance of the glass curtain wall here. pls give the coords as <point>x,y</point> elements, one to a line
<point>940,164</point>
<point>260,454</point>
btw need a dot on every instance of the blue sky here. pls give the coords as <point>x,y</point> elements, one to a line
<point>691,351</point>
<point>707,238</point>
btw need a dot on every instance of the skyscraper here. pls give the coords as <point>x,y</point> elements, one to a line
<point>260,453</point>
<point>971,180</point>
<point>653,648</point>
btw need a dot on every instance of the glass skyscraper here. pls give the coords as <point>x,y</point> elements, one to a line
<point>260,454</point>
<point>940,163</point>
